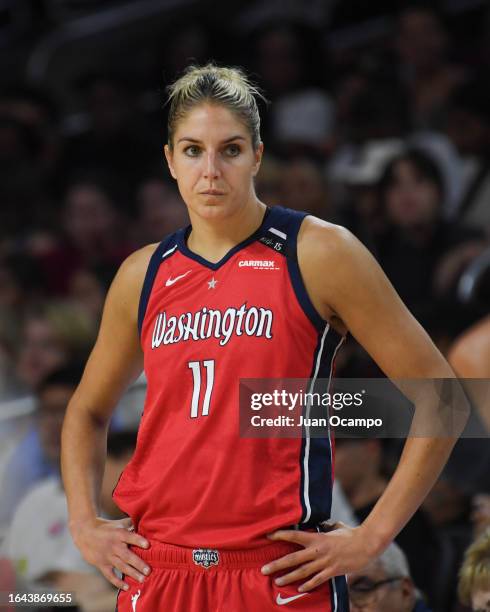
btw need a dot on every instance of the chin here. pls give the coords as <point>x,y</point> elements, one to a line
<point>213,207</point>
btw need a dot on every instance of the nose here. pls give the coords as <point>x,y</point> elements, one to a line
<point>211,168</point>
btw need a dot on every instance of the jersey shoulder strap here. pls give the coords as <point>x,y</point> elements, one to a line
<point>280,230</point>
<point>164,250</point>
<point>280,233</point>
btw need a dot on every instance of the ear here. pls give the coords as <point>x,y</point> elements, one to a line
<point>258,158</point>
<point>169,157</point>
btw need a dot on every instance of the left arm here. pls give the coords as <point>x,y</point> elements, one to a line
<point>349,289</point>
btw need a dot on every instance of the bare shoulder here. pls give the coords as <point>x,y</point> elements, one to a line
<point>331,258</point>
<point>326,247</point>
<point>325,242</point>
<point>117,352</point>
<point>134,267</point>
<point>125,291</point>
<point>348,287</point>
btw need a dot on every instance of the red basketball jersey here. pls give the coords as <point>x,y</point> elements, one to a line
<point>193,481</point>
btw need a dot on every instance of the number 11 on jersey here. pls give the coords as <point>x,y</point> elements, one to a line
<point>195,366</point>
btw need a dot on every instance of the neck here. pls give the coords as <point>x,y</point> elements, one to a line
<point>213,238</point>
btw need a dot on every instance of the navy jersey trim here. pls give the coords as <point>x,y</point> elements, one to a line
<point>339,596</point>
<point>295,273</point>
<point>164,250</point>
<point>302,295</point>
<point>280,233</point>
<point>183,234</point>
<point>316,458</point>
<point>289,221</point>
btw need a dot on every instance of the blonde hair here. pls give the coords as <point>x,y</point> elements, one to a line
<point>229,87</point>
<point>475,571</point>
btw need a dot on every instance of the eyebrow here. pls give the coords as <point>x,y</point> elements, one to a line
<point>194,140</point>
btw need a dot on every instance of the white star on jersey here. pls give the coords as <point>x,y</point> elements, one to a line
<point>212,283</point>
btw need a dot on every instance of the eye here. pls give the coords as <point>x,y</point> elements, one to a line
<point>192,151</point>
<point>233,150</point>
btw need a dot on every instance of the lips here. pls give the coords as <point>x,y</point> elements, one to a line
<point>214,192</point>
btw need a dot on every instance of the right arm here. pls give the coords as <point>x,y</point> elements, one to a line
<point>116,360</point>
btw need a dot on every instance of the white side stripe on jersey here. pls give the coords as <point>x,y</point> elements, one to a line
<point>328,389</point>
<point>334,595</point>
<point>275,231</point>
<point>169,251</point>
<point>306,458</point>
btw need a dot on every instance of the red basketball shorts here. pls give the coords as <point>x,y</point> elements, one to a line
<point>205,580</point>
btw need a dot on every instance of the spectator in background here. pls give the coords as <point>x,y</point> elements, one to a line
<point>52,335</point>
<point>93,234</point>
<point>421,253</point>
<point>88,288</point>
<point>304,187</point>
<point>21,282</point>
<point>161,211</point>
<point>9,336</point>
<point>474,576</point>
<point>448,503</point>
<point>120,449</point>
<point>44,494</point>
<point>36,108</point>
<point>29,152</point>
<point>288,60</point>
<point>184,43</point>
<point>459,502</point>
<point>93,593</point>
<point>22,189</point>
<point>268,182</point>
<point>480,516</point>
<point>468,127</point>
<point>115,141</point>
<point>372,123</point>
<point>369,110</point>
<point>38,541</point>
<point>428,76</point>
<point>385,585</point>
<point>470,358</point>
<point>358,467</point>
<point>354,179</point>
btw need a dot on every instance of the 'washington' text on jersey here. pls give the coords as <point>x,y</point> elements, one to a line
<point>205,323</point>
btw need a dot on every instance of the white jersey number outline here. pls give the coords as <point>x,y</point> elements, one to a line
<point>195,366</point>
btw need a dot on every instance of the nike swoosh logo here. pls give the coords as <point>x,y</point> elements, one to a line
<point>282,601</point>
<point>171,281</point>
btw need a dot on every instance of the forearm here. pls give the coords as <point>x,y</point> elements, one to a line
<point>419,467</point>
<point>84,449</point>
<point>442,411</point>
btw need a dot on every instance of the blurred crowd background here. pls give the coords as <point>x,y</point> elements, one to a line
<point>378,118</point>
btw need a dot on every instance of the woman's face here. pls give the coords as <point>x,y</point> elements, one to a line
<point>41,351</point>
<point>303,185</point>
<point>213,161</point>
<point>89,215</point>
<point>480,600</point>
<point>412,199</point>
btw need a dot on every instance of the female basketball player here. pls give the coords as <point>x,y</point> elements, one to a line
<point>244,292</point>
